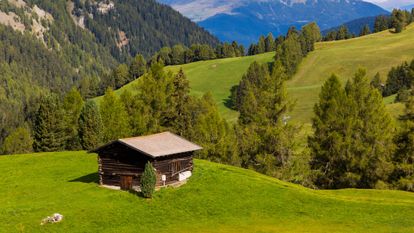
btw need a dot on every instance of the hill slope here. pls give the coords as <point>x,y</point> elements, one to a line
<point>377,52</point>
<point>245,20</point>
<point>217,198</point>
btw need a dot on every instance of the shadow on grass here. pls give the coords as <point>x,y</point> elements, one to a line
<point>91,178</point>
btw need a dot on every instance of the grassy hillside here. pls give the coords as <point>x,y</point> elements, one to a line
<point>218,198</point>
<point>377,52</point>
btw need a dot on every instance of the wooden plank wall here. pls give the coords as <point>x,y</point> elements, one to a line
<point>120,160</point>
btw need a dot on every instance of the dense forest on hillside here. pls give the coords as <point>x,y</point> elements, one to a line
<point>47,47</point>
<point>140,26</point>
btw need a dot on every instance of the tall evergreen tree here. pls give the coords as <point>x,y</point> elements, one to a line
<point>265,142</point>
<point>403,175</point>
<point>261,45</point>
<point>180,98</point>
<point>290,53</point>
<point>72,105</point>
<point>365,30</point>
<point>49,126</point>
<point>137,68</point>
<point>399,20</point>
<point>90,126</point>
<point>381,23</point>
<point>114,117</point>
<point>311,34</point>
<point>270,43</point>
<point>18,142</point>
<point>352,146</point>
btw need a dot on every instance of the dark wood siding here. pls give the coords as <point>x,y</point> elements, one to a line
<point>119,160</point>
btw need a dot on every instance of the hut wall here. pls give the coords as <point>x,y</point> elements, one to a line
<point>171,166</point>
<point>118,160</point>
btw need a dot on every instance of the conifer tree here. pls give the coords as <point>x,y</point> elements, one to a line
<point>270,43</point>
<point>114,117</point>
<point>180,98</point>
<point>18,142</point>
<point>311,34</point>
<point>72,105</point>
<point>365,30</point>
<point>290,53</point>
<point>353,146</point>
<point>399,20</point>
<point>49,130</point>
<point>327,144</point>
<point>212,132</point>
<point>376,82</point>
<point>148,181</point>
<point>403,175</point>
<point>156,100</point>
<point>381,23</point>
<point>265,142</point>
<point>261,46</point>
<point>90,126</point>
<point>138,67</point>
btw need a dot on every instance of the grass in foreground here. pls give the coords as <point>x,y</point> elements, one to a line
<point>218,198</point>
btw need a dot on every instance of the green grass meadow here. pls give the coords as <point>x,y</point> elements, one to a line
<point>218,198</point>
<point>376,52</point>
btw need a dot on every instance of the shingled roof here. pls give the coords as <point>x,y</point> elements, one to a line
<point>157,145</point>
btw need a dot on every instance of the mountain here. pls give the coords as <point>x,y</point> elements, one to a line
<point>246,20</point>
<point>49,46</point>
<point>391,4</point>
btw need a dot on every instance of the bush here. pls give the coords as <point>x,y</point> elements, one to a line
<point>148,181</point>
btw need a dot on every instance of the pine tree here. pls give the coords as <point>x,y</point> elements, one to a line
<point>72,105</point>
<point>156,99</point>
<point>49,126</point>
<point>90,126</point>
<point>399,20</point>
<point>114,117</point>
<point>18,142</point>
<point>290,53</point>
<point>365,30</point>
<point>343,33</point>
<point>376,82</point>
<point>327,142</point>
<point>261,46</point>
<point>148,181</point>
<point>212,132</point>
<point>403,175</point>
<point>265,142</point>
<point>352,146</point>
<point>381,23</point>
<point>120,75</point>
<point>180,98</point>
<point>137,68</point>
<point>270,43</point>
<point>311,34</point>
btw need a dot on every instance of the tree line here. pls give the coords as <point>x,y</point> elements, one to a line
<point>397,21</point>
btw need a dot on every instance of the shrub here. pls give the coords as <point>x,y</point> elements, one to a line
<point>148,181</point>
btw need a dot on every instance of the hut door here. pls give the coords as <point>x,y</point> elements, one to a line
<point>126,182</point>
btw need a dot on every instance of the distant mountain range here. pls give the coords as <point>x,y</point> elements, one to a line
<point>245,20</point>
<point>401,4</point>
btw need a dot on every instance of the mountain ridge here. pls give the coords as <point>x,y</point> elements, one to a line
<point>246,20</point>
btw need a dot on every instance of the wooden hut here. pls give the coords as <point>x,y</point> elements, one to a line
<point>122,162</point>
